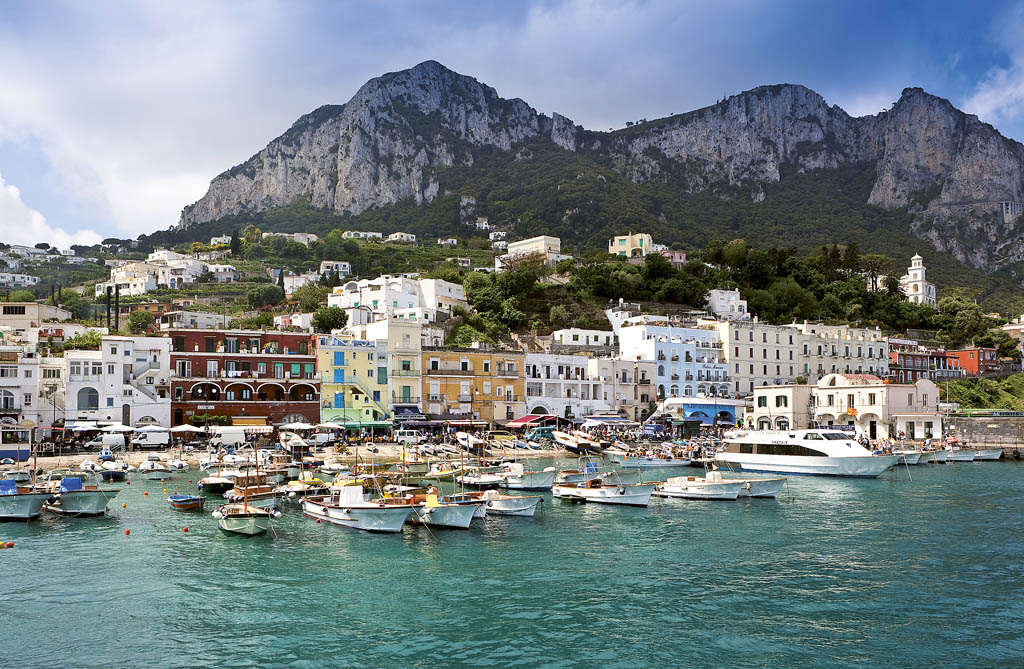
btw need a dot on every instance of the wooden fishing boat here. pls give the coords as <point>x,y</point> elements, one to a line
<point>76,493</point>
<point>182,502</point>
<point>596,491</point>
<point>244,519</point>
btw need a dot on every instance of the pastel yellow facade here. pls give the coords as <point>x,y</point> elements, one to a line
<point>631,245</point>
<point>354,381</point>
<point>464,383</point>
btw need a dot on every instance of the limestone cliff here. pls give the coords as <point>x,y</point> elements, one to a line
<point>388,142</point>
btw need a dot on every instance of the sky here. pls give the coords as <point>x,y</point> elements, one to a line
<point>115,115</point>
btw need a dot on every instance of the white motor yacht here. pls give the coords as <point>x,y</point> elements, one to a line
<point>814,452</point>
<point>598,492</point>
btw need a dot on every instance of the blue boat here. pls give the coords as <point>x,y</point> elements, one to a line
<point>186,502</point>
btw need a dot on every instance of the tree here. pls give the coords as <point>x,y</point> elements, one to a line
<point>657,267</point>
<point>73,302</point>
<point>22,295</point>
<point>558,315</point>
<point>252,235</point>
<point>265,296</point>
<point>311,296</point>
<point>236,244</point>
<point>851,258</point>
<point>90,340</point>
<point>735,253</point>
<point>139,321</point>
<point>325,319</point>
<point>42,246</point>
<point>257,322</point>
<point>280,278</point>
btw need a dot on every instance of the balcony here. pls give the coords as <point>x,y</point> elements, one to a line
<point>465,398</point>
<point>446,370</point>
<point>435,398</point>
<point>406,372</point>
<point>405,399</point>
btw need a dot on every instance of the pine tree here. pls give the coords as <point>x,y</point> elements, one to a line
<point>280,277</point>
<point>236,244</point>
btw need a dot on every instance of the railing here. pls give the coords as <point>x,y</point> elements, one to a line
<point>449,371</point>
<point>465,398</point>
<point>435,398</point>
<point>403,399</point>
<point>406,372</point>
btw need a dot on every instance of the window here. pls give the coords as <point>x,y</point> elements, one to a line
<point>910,399</point>
<point>14,311</point>
<point>762,401</point>
<point>781,401</point>
<point>849,400</point>
<point>871,398</point>
<point>487,366</point>
<point>28,400</point>
<point>28,373</point>
<point>51,373</point>
<point>110,401</point>
<point>110,369</point>
<point>149,380</point>
<point>113,350</point>
<point>831,401</point>
<point>924,400</point>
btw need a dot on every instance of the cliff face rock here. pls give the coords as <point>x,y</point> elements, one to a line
<point>387,142</point>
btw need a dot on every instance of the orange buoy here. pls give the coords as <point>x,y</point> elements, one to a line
<point>162,480</point>
<point>190,480</point>
<point>184,529</point>
<point>9,544</point>
<point>165,489</point>
<point>123,505</point>
<point>127,532</point>
<point>145,494</point>
<point>127,482</point>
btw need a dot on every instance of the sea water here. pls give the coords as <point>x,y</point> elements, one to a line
<point>882,572</point>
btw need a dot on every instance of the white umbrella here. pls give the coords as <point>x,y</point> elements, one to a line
<point>187,428</point>
<point>116,427</point>
<point>84,428</point>
<point>151,428</point>
<point>296,426</point>
<point>331,426</point>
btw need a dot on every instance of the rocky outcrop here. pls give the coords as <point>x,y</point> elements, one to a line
<point>387,143</point>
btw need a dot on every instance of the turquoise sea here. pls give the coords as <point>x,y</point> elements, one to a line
<point>886,572</point>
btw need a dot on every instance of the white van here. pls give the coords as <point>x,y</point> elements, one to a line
<point>228,437</point>
<point>151,440</point>
<point>113,440</point>
<point>408,437</point>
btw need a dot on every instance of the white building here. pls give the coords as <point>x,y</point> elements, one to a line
<point>689,359</point>
<point>399,295</point>
<point>546,248</point>
<point>727,304</point>
<point>482,223</point>
<point>297,321</point>
<point>126,381</point>
<point>26,251</point>
<point>12,280</point>
<point>295,281</point>
<point>562,385</point>
<point>341,267</point>
<point>584,337</point>
<point>914,285</point>
<point>223,273</point>
<point>223,239</point>
<point>358,234</point>
<point>499,245</point>
<point>628,385</point>
<point>401,237</point>
<point>448,242</point>
<point>873,408</point>
<point>304,238</point>
<point>31,386</point>
<point>496,235</point>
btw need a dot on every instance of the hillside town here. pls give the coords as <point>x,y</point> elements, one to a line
<point>391,365</point>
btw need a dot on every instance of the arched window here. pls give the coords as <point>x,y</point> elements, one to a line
<point>688,391</point>
<point>661,370</point>
<point>6,399</point>
<point>674,391</point>
<point>88,398</point>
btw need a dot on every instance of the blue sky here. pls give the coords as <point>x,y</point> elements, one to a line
<point>115,115</point>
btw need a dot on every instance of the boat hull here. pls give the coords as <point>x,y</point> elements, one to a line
<point>23,506</point>
<point>908,457</point>
<point>156,474</point>
<point>111,475</point>
<point>458,516</point>
<point>989,454</point>
<point>800,465</point>
<point>940,456</point>
<point>247,525</point>
<point>542,480</point>
<point>369,519</point>
<point>713,490</point>
<point>634,462</point>
<point>511,505</point>
<point>82,502</point>
<point>961,456</point>
<point>761,487</point>
<point>186,502</point>
<point>633,495</point>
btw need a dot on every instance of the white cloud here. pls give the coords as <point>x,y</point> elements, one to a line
<point>21,224</point>
<point>999,97</point>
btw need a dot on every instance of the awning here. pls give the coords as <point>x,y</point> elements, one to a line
<point>467,423</point>
<point>355,425</point>
<point>248,420</point>
<point>526,420</point>
<point>408,413</point>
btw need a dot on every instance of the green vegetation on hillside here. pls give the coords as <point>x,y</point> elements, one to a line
<point>1006,393</point>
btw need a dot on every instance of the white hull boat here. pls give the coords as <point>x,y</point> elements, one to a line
<point>926,457</point>
<point>594,491</point>
<point>481,480</point>
<point>907,457</point>
<point>21,505</point>
<point>266,500</point>
<point>512,505</point>
<point>156,474</point>
<point>18,475</point>
<point>989,454</point>
<point>961,456</point>
<point>713,486</point>
<point>816,452</point>
<point>768,487</point>
<point>940,456</point>
<point>348,509</point>
<point>516,478</point>
<point>82,502</point>
<point>243,519</point>
<point>178,465</point>
<point>646,461</point>
<point>458,516</point>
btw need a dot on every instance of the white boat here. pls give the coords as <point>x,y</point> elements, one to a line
<point>473,498</point>
<point>20,503</point>
<point>244,519</point>
<point>468,441</point>
<point>480,479</point>
<point>957,455</point>
<point>512,505</point>
<point>815,452</point>
<point>940,455</point>
<point>576,442</point>
<point>926,457</point>
<point>649,461</point>
<point>515,477</point>
<point>74,495</point>
<point>18,475</point>
<point>154,470</point>
<point>711,486</point>
<point>445,514</point>
<point>345,506</point>
<point>907,457</point>
<point>760,487</point>
<point>989,454</point>
<point>178,465</point>
<point>595,491</point>
<point>89,466</point>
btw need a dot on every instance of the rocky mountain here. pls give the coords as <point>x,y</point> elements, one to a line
<point>403,132</point>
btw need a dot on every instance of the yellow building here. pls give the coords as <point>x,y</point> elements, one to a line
<point>485,385</point>
<point>354,381</point>
<point>631,245</point>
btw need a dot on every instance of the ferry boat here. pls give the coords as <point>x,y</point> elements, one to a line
<point>814,452</point>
